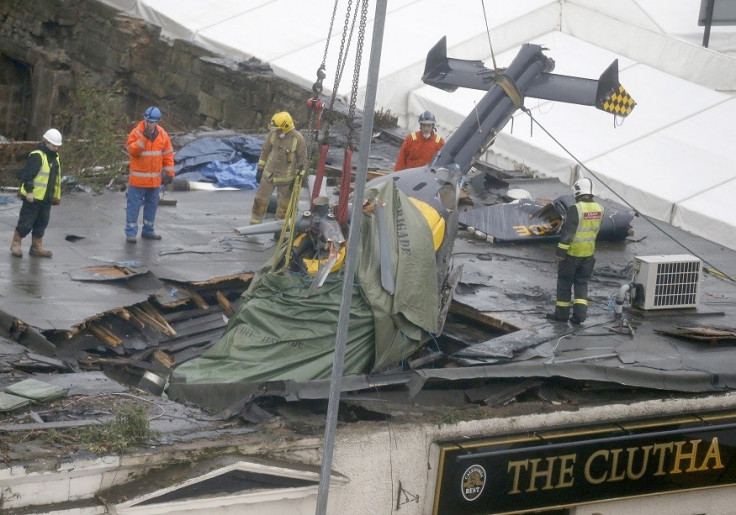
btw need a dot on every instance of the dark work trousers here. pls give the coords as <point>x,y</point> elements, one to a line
<point>34,217</point>
<point>573,273</point>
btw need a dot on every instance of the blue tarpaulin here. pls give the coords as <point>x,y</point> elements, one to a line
<point>227,162</point>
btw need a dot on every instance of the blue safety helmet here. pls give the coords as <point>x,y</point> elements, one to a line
<point>426,117</point>
<point>152,114</point>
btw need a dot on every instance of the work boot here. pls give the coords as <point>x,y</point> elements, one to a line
<point>15,247</point>
<point>561,314</point>
<point>579,313</point>
<point>150,236</point>
<point>38,250</point>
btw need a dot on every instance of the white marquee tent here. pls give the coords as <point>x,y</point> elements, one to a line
<point>671,159</point>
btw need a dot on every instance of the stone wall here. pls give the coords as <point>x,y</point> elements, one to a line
<point>60,42</point>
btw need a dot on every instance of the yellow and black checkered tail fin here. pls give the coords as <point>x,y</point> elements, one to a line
<point>617,101</point>
<point>611,95</point>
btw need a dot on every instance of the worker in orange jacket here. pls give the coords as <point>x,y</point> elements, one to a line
<point>151,163</point>
<point>420,147</point>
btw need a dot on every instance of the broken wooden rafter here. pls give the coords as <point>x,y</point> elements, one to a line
<point>153,312</point>
<point>128,317</point>
<point>104,334</point>
<point>197,299</point>
<point>226,307</point>
<point>162,358</point>
<point>152,321</point>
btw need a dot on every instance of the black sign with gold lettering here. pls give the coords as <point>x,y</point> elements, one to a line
<point>567,468</point>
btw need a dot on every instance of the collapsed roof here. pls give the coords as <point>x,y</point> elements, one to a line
<point>504,289</point>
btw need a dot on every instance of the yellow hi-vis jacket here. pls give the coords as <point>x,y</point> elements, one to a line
<point>41,181</point>
<point>585,218</point>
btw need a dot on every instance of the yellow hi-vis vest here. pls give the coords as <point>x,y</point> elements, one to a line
<point>41,181</point>
<point>590,216</point>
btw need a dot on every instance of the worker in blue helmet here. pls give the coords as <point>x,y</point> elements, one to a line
<point>151,164</point>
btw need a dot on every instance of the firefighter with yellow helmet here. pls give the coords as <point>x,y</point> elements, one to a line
<point>284,153</point>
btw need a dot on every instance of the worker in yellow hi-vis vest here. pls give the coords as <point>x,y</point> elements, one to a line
<point>575,254</point>
<point>40,188</point>
<point>284,153</point>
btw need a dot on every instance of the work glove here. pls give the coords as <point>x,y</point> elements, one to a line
<point>56,202</point>
<point>259,175</point>
<point>29,197</point>
<point>167,180</point>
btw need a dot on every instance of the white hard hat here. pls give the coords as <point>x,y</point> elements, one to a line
<point>583,187</point>
<point>53,136</point>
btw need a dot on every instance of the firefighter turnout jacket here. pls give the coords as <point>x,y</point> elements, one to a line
<point>281,158</point>
<point>416,150</point>
<point>582,223</point>
<point>43,167</point>
<point>149,157</point>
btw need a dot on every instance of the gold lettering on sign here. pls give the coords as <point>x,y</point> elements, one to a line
<point>537,473</point>
<point>616,476</point>
<point>588,477</point>
<point>681,455</point>
<point>564,475</point>
<point>714,453</point>
<point>516,465</point>
<point>644,461</point>
<point>660,448</point>
<point>614,465</point>
<point>566,469</point>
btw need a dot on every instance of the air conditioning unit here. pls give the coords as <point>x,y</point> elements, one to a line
<point>667,282</point>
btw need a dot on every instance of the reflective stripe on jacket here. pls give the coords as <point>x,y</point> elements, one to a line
<point>41,180</point>
<point>417,151</point>
<point>148,158</point>
<point>282,157</point>
<point>590,216</point>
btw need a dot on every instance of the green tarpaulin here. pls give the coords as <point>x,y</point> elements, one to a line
<point>281,331</point>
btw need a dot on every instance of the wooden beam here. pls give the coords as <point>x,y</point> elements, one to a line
<point>226,307</point>
<point>104,335</point>
<point>157,316</point>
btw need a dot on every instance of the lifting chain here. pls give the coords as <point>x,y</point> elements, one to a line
<point>356,70</point>
<point>314,103</point>
<point>347,36</point>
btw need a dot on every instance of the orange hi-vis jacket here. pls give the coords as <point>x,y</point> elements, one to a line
<point>149,158</point>
<point>417,151</point>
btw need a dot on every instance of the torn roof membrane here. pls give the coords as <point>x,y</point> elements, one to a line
<point>508,287</point>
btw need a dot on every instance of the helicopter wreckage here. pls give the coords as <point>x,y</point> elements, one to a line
<point>285,328</point>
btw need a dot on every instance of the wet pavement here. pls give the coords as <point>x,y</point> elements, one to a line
<point>198,244</point>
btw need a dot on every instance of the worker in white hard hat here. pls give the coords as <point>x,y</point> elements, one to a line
<point>40,189</point>
<point>575,254</point>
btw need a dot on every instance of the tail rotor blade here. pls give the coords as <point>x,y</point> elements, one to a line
<point>387,272</point>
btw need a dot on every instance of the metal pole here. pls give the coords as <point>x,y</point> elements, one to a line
<point>708,22</point>
<point>352,252</point>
